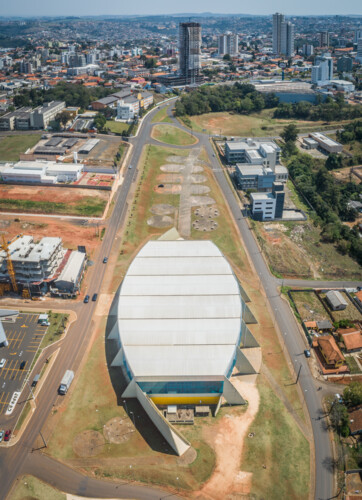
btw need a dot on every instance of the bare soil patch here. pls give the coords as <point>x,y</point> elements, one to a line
<point>168,189</point>
<point>199,189</point>
<point>160,221</point>
<point>198,178</point>
<point>170,178</point>
<point>53,194</point>
<point>118,430</point>
<point>201,200</point>
<point>162,209</point>
<point>172,168</point>
<point>176,159</point>
<point>88,444</point>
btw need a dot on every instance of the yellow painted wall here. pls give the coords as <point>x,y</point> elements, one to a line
<point>173,399</point>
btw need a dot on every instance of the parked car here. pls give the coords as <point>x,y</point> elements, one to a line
<point>86,299</point>
<point>22,365</point>
<point>2,435</point>
<point>7,435</point>
<point>95,296</point>
<point>2,363</point>
<point>130,166</point>
<point>105,260</point>
<point>307,353</point>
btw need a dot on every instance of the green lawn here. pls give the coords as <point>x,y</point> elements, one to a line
<point>255,125</point>
<point>117,127</point>
<point>13,145</point>
<point>29,487</point>
<point>161,116</point>
<point>172,135</point>
<point>278,454</point>
<point>89,206</point>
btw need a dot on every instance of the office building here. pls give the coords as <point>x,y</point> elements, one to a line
<point>308,49</point>
<point>268,206</point>
<point>322,71</point>
<point>323,39</point>
<point>40,172</point>
<point>190,52</point>
<point>179,323</point>
<point>344,64</point>
<point>283,36</point>
<point>43,115</point>
<point>359,50</point>
<point>228,44</point>
<point>357,35</point>
<point>326,143</point>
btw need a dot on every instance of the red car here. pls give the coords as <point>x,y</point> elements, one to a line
<point>7,435</point>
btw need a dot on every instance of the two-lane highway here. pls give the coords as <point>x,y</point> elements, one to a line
<point>13,459</point>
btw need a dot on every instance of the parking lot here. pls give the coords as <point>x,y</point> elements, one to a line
<point>24,337</point>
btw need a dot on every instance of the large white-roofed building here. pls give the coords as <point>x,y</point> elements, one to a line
<point>180,321</point>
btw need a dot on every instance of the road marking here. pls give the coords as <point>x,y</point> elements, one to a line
<point>13,401</point>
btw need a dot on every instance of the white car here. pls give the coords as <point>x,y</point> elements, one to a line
<point>2,363</point>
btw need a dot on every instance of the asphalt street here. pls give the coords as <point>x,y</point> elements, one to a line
<point>20,458</point>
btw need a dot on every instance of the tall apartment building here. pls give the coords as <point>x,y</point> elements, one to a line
<point>322,71</point>
<point>344,64</point>
<point>323,39</point>
<point>359,50</point>
<point>283,35</point>
<point>190,51</point>
<point>308,50</point>
<point>26,67</point>
<point>357,35</point>
<point>228,44</point>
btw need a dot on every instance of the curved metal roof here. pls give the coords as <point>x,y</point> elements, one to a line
<point>179,311</point>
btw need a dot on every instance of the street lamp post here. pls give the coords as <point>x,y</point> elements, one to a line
<point>131,413</point>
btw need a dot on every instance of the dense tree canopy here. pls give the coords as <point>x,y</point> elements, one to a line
<point>240,98</point>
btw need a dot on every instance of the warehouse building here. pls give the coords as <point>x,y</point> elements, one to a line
<point>336,300</point>
<point>40,172</point>
<point>326,143</point>
<point>181,317</point>
<point>70,277</point>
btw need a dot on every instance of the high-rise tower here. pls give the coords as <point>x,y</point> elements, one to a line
<point>283,35</point>
<point>190,51</point>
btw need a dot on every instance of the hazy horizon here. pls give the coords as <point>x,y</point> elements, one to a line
<point>24,8</point>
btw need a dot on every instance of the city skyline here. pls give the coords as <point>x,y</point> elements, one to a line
<point>21,8</point>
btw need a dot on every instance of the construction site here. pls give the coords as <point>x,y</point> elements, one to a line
<point>33,269</point>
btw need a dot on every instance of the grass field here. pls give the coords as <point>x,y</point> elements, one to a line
<point>309,306</point>
<point>294,249</point>
<point>117,127</point>
<point>278,454</point>
<point>255,125</point>
<point>89,206</point>
<point>12,145</point>
<point>29,487</point>
<point>161,116</point>
<point>172,135</point>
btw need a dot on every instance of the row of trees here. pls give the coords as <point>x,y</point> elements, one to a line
<point>72,94</point>
<point>240,98</point>
<point>330,110</point>
<point>330,201</point>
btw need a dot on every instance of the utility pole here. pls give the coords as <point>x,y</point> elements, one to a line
<point>41,435</point>
<point>300,368</point>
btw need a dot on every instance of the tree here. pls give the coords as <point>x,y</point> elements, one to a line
<point>100,122</point>
<point>150,63</point>
<point>227,57</point>
<point>290,133</point>
<point>64,117</point>
<point>353,394</point>
<point>333,161</point>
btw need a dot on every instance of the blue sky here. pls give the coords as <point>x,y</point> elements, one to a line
<point>119,7</point>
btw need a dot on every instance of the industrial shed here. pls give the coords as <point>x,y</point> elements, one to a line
<point>336,300</point>
<point>180,321</point>
<point>69,278</point>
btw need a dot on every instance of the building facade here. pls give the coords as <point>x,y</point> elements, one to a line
<point>322,71</point>
<point>283,36</point>
<point>228,44</point>
<point>190,52</point>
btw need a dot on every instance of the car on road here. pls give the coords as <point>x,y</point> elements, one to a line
<point>307,353</point>
<point>95,296</point>
<point>7,435</point>
<point>130,166</point>
<point>2,363</point>
<point>105,260</point>
<point>86,299</point>
<point>22,365</point>
<point>2,435</point>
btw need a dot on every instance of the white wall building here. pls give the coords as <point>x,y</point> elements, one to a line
<point>125,111</point>
<point>326,143</point>
<point>228,44</point>
<point>322,71</point>
<point>40,172</point>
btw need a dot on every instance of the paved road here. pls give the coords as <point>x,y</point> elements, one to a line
<point>15,460</point>
<point>294,341</point>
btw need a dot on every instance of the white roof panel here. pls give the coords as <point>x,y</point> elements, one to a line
<point>179,311</point>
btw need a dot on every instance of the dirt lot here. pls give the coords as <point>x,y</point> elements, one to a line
<point>71,233</point>
<point>53,194</point>
<point>346,174</point>
<point>309,306</point>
